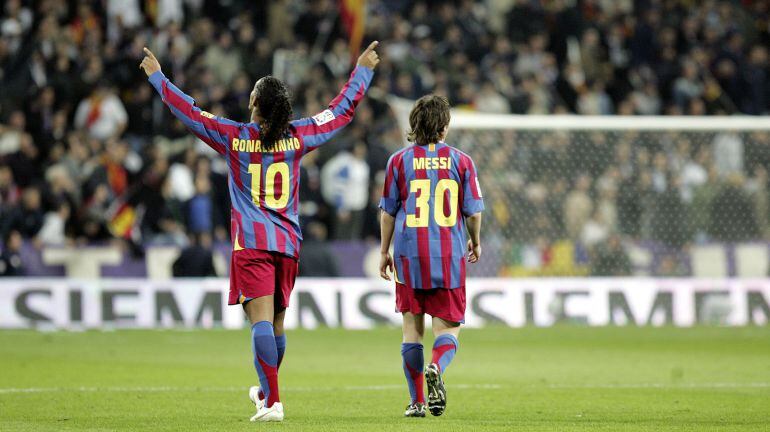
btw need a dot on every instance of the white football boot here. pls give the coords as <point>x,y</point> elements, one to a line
<point>254,396</point>
<point>272,414</point>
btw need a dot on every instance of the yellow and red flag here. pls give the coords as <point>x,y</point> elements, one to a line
<point>353,17</point>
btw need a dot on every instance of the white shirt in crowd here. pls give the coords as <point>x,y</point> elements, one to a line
<point>728,154</point>
<point>52,232</point>
<point>127,10</point>
<point>182,185</point>
<point>593,233</point>
<point>109,118</point>
<point>345,182</point>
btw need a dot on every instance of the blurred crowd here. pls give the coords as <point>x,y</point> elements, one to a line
<point>89,154</point>
<point>564,203</point>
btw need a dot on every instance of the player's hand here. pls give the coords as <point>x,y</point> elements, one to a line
<point>149,64</point>
<point>386,263</point>
<point>474,252</point>
<point>369,57</point>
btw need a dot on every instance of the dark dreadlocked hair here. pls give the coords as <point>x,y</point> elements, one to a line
<point>272,101</point>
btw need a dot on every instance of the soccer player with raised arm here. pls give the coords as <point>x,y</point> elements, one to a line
<point>431,193</point>
<point>263,156</point>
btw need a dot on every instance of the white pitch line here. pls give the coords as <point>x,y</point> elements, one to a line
<point>715,385</point>
<point>168,389</point>
<point>10,390</point>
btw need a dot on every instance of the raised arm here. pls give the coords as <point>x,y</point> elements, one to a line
<point>321,127</point>
<point>211,129</point>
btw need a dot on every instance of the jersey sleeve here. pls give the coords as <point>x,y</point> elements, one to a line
<point>472,200</point>
<point>390,202</point>
<point>211,129</point>
<point>321,127</point>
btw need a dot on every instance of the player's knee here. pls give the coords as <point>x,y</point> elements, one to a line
<point>441,326</point>
<point>413,334</point>
<point>412,337</point>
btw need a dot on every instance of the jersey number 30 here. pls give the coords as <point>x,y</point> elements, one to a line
<point>422,189</point>
<point>271,173</point>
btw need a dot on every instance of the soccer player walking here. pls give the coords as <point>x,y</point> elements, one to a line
<point>431,193</point>
<point>263,157</point>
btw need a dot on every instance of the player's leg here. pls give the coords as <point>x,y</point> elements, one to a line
<point>444,349</point>
<point>280,345</point>
<point>252,284</point>
<point>445,344</point>
<point>285,277</point>
<point>280,334</point>
<point>413,329</point>
<point>261,314</point>
<point>285,271</point>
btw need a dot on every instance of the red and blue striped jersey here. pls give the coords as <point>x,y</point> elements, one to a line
<point>264,177</point>
<point>430,189</point>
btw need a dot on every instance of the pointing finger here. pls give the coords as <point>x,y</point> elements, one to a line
<point>371,46</point>
<point>149,53</point>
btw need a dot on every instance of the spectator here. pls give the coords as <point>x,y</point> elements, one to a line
<point>688,86</point>
<point>732,213</point>
<point>10,259</point>
<point>611,259</point>
<point>669,216</point>
<point>223,60</point>
<point>27,219</point>
<point>196,259</point>
<point>577,207</point>
<point>9,192</point>
<point>490,101</point>
<point>102,114</point>
<point>200,208</point>
<point>316,258</point>
<point>728,154</point>
<point>345,187</point>
<point>53,230</point>
<point>10,134</point>
<point>595,230</point>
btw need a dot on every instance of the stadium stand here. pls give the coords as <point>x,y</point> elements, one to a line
<point>88,155</point>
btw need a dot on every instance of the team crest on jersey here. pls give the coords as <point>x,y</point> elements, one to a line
<point>323,117</point>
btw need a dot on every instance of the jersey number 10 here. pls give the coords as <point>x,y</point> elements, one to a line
<point>422,189</point>
<point>271,173</point>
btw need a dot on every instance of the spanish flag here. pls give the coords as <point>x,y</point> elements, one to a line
<point>353,16</point>
<point>121,217</point>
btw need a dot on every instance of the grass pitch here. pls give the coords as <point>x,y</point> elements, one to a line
<point>555,379</point>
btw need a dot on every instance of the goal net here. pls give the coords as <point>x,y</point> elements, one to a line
<point>618,196</point>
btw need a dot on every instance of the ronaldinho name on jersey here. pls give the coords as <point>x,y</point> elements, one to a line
<point>255,146</point>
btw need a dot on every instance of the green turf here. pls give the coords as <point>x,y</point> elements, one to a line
<point>562,378</point>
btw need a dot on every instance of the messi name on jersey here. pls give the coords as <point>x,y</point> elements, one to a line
<point>255,146</point>
<point>431,163</point>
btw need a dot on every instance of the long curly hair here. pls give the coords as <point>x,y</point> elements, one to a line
<point>274,106</point>
<point>427,120</point>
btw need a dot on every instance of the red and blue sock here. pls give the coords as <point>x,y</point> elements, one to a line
<point>413,370</point>
<point>444,349</point>
<point>266,360</point>
<point>280,345</point>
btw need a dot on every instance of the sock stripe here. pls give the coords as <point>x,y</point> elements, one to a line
<point>414,364</point>
<point>265,351</point>
<point>444,349</point>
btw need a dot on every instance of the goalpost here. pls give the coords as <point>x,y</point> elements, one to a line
<point>570,195</point>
